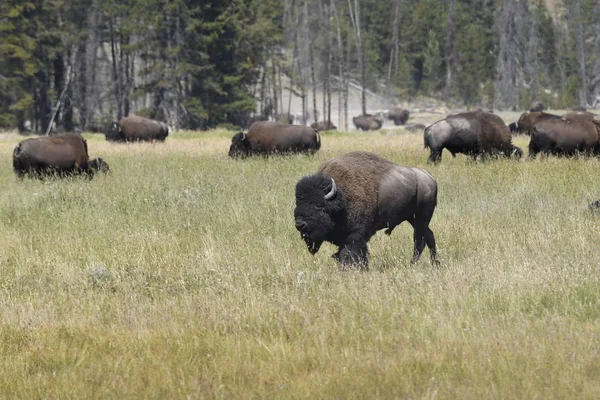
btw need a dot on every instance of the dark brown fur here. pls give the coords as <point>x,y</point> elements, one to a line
<point>64,153</point>
<point>486,134</point>
<point>273,137</point>
<point>372,194</point>
<point>323,126</point>
<point>398,115</point>
<point>566,137</point>
<point>529,119</point>
<point>367,122</point>
<point>135,128</point>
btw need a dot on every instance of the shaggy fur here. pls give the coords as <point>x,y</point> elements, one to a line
<point>273,137</point>
<point>372,194</point>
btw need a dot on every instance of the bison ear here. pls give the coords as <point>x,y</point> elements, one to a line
<point>332,192</point>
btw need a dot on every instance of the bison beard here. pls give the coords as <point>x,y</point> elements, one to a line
<point>372,194</point>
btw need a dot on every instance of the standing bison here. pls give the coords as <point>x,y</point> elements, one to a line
<point>528,119</point>
<point>62,154</point>
<point>398,115</point>
<point>472,133</point>
<point>323,126</point>
<point>137,129</point>
<point>367,122</point>
<point>353,196</point>
<point>565,137</point>
<point>274,137</point>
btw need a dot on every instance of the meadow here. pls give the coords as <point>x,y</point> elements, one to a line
<point>180,274</point>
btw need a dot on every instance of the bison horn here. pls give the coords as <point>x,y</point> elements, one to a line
<point>332,192</point>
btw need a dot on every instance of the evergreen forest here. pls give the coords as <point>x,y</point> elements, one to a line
<point>79,64</point>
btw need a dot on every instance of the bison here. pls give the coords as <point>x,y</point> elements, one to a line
<point>137,129</point>
<point>398,115</point>
<point>323,126</point>
<point>537,106</point>
<point>474,133</point>
<point>565,137</point>
<point>528,119</point>
<point>274,137</point>
<point>63,154</point>
<point>353,196</point>
<point>367,122</point>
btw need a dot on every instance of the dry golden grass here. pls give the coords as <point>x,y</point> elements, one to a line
<point>181,275</point>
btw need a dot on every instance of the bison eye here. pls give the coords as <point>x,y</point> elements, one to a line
<point>320,207</point>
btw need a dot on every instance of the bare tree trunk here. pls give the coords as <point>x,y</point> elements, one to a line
<point>355,17</point>
<point>532,57</point>
<point>314,82</point>
<point>341,120</point>
<point>451,55</point>
<point>115,71</point>
<point>581,54</point>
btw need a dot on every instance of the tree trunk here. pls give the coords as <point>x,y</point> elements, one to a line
<point>451,55</point>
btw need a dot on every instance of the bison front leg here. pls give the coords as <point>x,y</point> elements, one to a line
<point>354,254</point>
<point>435,156</point>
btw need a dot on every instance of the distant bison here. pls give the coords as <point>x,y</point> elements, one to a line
<point>323,126</point>
<point>353,196</point>
<point>565,137</point>
<point>137,129</point>
<point>367,122</point>
<point>274,137</point>
<point>474,133</point>
<point>414,127</point>
<point>62,154</point>
<point>398,115</point>
<point>528,120</point>
<point>536,106</point>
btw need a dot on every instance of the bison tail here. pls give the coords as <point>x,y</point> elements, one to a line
<point>425,135</point>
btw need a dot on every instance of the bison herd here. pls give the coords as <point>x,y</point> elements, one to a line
<point>352,196</point>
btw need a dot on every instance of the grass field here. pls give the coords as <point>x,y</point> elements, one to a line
<point>181,275</point>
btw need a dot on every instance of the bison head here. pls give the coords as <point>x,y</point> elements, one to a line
<point>98,165</point>
<point>240,145</point>
<point>320,212</point>
<point>114,132</point>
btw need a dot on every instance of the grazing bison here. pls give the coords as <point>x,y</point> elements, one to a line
<point>398,115</point>
<point>414,127</point>
<point>62,154</point>
<point>137,129</point>
<point>367,122</point>
<point>565,137</point>
<point>472,133</point>
<point>274,137</point>
<point>528,120</point>
<point>353,196</point>
<point>323,126</point>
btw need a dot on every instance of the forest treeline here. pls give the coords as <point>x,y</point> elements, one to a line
<point>198,64</point>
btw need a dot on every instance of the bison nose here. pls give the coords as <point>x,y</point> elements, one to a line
<point>300,224</point>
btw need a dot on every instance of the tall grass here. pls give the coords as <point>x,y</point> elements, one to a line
<point>180,274</point>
